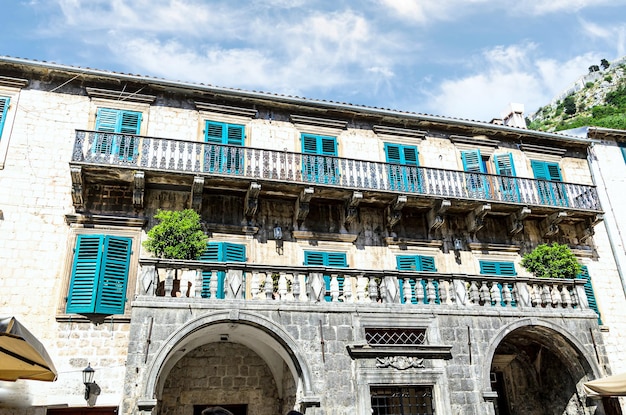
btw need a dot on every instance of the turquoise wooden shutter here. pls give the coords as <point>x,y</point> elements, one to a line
<point>106,120</point>
<point>4,107</point>
<point>224,159</point>
<point>327,259</point>
<point>475,181</point>
<point>129,123</point>
<point>622,146</point>
<point>210,254</point>
<point>113,275</point>
<point>417,263</point>
<point>214,132</point>
<point>402,177</point>
<point>503,269</point>
<point>219,252</point>
<point>117,121</point>
<point>234,252</point>
<point>591,298</point>
<point>550,193</point>
<point>85,273</point>
<point>319,164</point>
<point>508,185</point>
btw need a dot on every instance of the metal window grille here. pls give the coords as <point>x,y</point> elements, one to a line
<point>395,336</point>
<point>402,400</point>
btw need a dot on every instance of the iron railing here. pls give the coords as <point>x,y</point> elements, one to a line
<point>200,158</point>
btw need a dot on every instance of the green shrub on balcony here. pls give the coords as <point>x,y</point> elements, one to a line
<point>552,261</point>
<point>178,235</point>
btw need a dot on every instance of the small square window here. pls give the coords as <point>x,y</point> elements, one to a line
<point>405,400</point>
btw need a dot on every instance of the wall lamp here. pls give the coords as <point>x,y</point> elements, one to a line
<point>278,232</point>
<point>92,390</point>
<point>278,236</point>
<point>458,244</point>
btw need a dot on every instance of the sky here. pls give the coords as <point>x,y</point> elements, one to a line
<point>454,58</point>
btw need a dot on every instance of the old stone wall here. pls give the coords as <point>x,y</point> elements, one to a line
<point>220,374</point>
<point>322,335</point>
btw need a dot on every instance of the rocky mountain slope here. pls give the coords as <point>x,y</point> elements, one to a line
<point>596,99</point>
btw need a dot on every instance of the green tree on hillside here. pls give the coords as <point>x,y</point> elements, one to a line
<point>605,64</point>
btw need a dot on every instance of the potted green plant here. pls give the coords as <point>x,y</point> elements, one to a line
<point>178,235</point>
<point>552,261</point>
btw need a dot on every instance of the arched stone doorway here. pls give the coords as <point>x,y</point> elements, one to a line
<point>241,360</point>
<point>227,374</point>
<point>537,369</point>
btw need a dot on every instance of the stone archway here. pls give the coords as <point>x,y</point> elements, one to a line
<point>219,345</point>
<point>539,369</point>
<point>226,374</point>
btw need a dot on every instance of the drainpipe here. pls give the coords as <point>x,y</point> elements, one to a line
<point>590,160</point>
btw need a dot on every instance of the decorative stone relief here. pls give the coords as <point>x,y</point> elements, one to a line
<point>400,362</point>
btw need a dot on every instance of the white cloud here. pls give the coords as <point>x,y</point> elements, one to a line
<point>511,74</point>
<point>612,35</point>
<point>540,7</point>
<point>426,11</point>
<point>320,52</point>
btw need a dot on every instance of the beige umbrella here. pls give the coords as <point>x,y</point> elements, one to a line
<point>22,356</point>
<point>608,386</point>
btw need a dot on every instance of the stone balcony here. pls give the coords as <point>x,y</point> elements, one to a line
<point>172,282</point>
<point>193,165</point>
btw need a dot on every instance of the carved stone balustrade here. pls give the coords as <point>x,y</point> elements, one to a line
<point>253,282</point>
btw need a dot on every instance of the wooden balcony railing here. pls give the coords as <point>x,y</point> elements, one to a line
<point>200,158</point>
<point>253,282</point>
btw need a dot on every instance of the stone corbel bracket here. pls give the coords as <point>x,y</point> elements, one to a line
<point>435,214</point>
<point>352,207</point>
<point>302,204</point>
<point>585,230</point>
<point>77,187</point>
<point>251,203</point>
<point>139,186</point>
<point>550,225</point>
<point>196,193</point>
<point>475,219</point>
<point>516,220</point>
<point>394,211</point>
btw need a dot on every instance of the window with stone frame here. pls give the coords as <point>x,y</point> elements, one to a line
<point>99,277</point>
<point>404,400</point>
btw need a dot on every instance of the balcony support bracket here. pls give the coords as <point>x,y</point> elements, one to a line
<point>585,230</point>
<point>436,214</point>
<point>394,211</point>
<point>252,201</point>
<point>302,204</point>
<point>550,225</point>
<point>77,187</point>
<point>139,186</point>
<point>352,207</point>
<point>516,220</point>
<point>476,218</point>
<point>196,193</point>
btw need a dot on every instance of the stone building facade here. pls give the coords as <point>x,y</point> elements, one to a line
<point>360,260</point>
